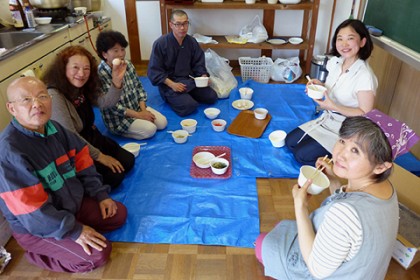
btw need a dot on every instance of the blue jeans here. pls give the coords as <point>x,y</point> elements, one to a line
<point>308,150</point>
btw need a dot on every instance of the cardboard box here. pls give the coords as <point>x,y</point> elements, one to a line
<point>407,247</point>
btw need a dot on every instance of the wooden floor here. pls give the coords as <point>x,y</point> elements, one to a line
<point>163,261</point>
<point>173,262</point>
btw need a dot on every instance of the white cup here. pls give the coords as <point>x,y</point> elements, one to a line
<point>260,113</point>
<point>277,138</point>
<point>316,91</point>
<point>320,181</point>
<point>246,93</point>
<point>180,136</point>
<point>218,125</point>
<point>189,125</point>
<point>201,82</point>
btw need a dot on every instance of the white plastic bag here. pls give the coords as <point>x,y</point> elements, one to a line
<point>222,81</point>
<point>254,32</point>
<point>286,70</point>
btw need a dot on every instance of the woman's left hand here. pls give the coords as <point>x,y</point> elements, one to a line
<point>111,162</point>
<point>108,208</point>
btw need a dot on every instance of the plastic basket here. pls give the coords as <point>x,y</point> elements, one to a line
<point>257,69</point>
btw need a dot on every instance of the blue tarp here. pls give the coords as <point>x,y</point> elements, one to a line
<point>167,205</point>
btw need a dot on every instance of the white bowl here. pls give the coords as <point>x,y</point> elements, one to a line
<point>316,91</point>
<point>242,104</point>
<point>212,113</point>
<point>290,1</point>
<point>246,93</point>
<point>189,125</point>
<point>203,159</point>
<point>250,1</point>
<point>272,1</point>
<point>260,113</point>
<point>218,125</point>
<point>180,136</point>
<point>319,183</point>
<point>295,40</point>
<point>277,138</point>
<point>219,166</point>
<point>133,148</point>
<point>201,82</point>
<point>43,20</point>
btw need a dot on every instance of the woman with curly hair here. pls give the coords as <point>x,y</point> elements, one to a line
<point>73,83</point>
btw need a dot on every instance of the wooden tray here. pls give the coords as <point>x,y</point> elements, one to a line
<point>245,124</point>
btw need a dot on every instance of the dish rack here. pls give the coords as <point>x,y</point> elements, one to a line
<point>257,69</point>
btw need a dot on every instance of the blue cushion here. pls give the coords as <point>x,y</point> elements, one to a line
<point>409,162</point>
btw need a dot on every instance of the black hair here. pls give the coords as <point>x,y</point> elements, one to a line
<point>107,40</point>
<point>372,140</point>
<point>179,13</point>
<point>360,28</point>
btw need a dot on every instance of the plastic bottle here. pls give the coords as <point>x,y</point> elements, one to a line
<point>30,17</point>
<point>17,14</point>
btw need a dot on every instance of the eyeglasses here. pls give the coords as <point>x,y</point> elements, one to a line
<point>26,101</point>
<point>184,24</point>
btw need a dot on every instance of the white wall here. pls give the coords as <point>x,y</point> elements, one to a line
<point>223,22</point>
<point>116,10</point>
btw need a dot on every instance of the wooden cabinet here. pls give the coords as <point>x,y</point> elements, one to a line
<point>88,39</point>
<point>310,18</point>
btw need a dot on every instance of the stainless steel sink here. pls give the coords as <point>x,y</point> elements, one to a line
<point>12,39</point>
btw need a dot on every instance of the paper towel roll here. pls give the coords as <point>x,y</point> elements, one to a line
<point>28,73</point>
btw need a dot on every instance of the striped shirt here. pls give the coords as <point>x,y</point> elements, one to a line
<point>338,240</point>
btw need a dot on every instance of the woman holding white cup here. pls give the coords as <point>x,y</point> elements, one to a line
<point>353,232</point>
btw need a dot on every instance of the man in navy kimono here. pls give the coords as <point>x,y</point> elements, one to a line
<point>176,56</point>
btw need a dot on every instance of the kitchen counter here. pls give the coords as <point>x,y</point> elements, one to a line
<point>30,54</point>
<point>47,31</point>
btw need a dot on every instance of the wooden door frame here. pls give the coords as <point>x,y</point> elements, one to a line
<point>133,30</point>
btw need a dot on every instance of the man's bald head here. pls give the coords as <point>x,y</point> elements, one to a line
<point>22,84</point>
<point>29,102</point>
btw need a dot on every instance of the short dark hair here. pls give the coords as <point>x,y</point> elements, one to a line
<point>360,28</point>
<point>372,139</point>
<point>178,13</point>
<point>107,40</point>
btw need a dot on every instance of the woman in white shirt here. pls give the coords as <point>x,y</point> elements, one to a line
<point>351,88</point>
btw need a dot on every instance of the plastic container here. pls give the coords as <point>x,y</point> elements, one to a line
<point>30,19</point>
<point>218,125</point>
<point>277,138</point>
<point>260,113</point>
<point>180,136</point>
<point>319,67</point>
<point>257,69</point>
<point>246,93</point>
<point>17,13</point>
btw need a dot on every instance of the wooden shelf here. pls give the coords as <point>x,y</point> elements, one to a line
<point>224,44</point>
<point>262,5</point>
<point>310,18</point>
